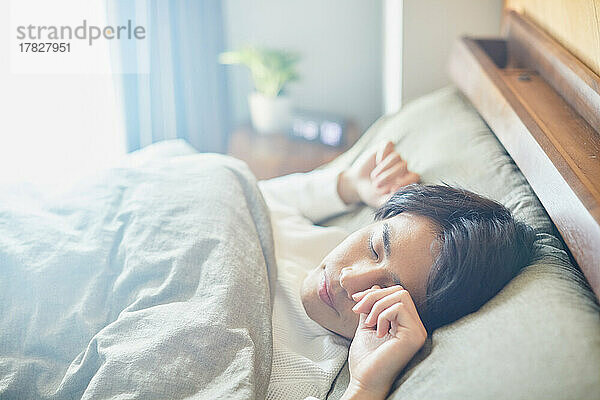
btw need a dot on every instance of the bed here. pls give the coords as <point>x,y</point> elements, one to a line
<point>127,286</point>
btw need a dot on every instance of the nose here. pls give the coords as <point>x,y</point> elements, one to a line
<point>355,279</point>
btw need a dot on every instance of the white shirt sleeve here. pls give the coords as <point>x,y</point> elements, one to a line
<point>313,194</point>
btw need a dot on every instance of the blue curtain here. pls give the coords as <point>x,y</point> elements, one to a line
<point>173,85</point>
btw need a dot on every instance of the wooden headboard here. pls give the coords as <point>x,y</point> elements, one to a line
<point>575,24</point>
<point>543,104</point>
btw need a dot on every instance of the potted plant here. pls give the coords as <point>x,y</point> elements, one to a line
<point>270,108</point>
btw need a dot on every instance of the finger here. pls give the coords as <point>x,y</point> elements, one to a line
<point>409,307</point>
<point>393,327</point>
<point>388,190</point>
<point>359,295</point>
<point>391,174</point>
<point>407,300</point>
<point>366,303</point>
<point>381,305</point>
<point>361,320</point>
<point>408,178</point>
<point>390,160</point>
<point>384,193</point>
<point>383,325</point>
<point>399,182</point>
<point>384,151</point>
<point>384,321</point>
<point>395,314</point>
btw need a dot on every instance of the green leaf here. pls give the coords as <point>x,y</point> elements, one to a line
<point>271,69</point>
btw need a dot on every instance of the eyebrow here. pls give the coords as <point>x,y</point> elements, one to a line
<point>386,239</point>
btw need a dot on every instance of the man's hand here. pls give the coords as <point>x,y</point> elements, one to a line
<point>389,334</point>
<point>375,178</point>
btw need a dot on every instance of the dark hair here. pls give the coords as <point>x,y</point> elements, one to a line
<point>481,248</point>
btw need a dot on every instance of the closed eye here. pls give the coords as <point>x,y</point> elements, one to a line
<point>373,252</point>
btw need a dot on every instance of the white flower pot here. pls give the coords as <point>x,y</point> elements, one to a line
<point>270,114</point>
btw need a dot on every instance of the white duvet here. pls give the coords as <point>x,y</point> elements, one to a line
<point>150,282</point>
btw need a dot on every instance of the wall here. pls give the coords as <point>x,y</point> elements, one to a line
<point>340,42</point>
<point>429,29</point>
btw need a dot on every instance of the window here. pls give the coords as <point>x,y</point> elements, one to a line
<point>56,127</point>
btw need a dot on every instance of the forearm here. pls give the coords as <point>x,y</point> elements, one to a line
<point>314,195</point>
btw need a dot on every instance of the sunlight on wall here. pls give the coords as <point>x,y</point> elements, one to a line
<point>55,127</point>
<point>392,55</point>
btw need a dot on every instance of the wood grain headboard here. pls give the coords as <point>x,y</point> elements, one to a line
<point>575,24</point>
<point>543,104</point>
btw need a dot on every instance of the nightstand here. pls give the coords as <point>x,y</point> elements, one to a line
<point>277,154</point>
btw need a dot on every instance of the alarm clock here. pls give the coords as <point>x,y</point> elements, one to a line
<point>315,126</point>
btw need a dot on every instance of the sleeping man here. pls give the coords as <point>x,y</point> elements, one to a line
<point>434,254</point>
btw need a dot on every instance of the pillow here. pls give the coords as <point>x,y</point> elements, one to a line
<point>540,336</point>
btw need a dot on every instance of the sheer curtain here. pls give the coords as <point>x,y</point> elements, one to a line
<point>177,88</point>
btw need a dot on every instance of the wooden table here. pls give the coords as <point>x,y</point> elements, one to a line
<point>274,155</point>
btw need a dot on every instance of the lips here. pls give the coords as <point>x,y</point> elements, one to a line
<point>324,293</point>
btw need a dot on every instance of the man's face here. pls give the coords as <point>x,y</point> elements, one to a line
<point>395,251</point>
